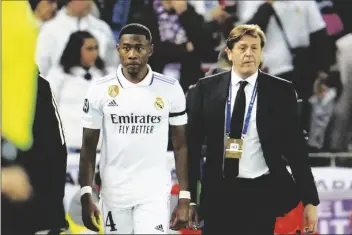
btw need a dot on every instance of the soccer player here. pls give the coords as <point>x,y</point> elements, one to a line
<point>134,108</point>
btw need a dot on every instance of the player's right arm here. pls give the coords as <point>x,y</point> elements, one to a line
<point>88,157</point>
<point>92,122</point>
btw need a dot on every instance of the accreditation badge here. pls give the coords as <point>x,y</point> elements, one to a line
<point>234,148</point>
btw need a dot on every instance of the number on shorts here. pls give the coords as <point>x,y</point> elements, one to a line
<point>110,222</point>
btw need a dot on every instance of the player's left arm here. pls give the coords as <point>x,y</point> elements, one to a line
<point>178,121</point>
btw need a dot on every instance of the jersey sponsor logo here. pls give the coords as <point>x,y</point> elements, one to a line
<point>86,106</point>
<point>135,123</point>
<point>159,103</point>
<point>113,90</point>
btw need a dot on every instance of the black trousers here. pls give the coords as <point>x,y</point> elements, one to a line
<point>240,206</point>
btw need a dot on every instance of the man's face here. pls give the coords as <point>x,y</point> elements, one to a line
<point>134,51</point>
<point>81,7</point>
<point>89,52</point>
<point>246,55</point>
<point>47,9</point>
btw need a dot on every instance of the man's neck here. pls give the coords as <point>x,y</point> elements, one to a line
<point>242,76</point>
<point>70,12</point>
<point>137,78</point>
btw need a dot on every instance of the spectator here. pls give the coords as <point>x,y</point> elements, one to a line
<point>224,64</point>
<point>44,10</point>
<point>118,13</point>
<point>74,16</point>
<point>179,40</point>
<point>80,63</point>
<point>322,104</point>
<point>342,127</point>
<point>297,42</point>
<point>219,17</point>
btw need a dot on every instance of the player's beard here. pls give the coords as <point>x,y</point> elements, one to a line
<point>133,72</point>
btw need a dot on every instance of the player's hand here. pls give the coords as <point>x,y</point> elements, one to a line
<point>15,183</point>
<point>90,213</point>
<point>179,218</point>
<point>310,216</point>
<point>193,219</point>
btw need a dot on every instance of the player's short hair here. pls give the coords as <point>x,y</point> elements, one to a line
<point>245,29</point>
<point>137,29</point>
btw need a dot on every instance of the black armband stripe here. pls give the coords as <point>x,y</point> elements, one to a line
<point>177,114</point>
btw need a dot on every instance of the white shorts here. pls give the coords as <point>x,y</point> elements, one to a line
<point>148,218</point>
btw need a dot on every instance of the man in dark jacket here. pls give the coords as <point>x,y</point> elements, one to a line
<point>45,164</point>
<point>244,174</point>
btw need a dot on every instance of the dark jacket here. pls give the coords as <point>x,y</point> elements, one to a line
<point>279,131</point>
<point>45,164</point>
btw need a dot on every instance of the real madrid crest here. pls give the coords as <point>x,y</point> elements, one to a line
<point>113,90</point>
<point>159,103</point>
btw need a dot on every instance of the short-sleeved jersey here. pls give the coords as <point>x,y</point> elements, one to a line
<point>134,120</point>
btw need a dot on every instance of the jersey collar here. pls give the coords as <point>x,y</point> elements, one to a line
<point>147,81</point>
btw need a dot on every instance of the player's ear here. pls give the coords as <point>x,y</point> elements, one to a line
<point>118,47</point>
<point>151,49</point>
<point>228,52</point>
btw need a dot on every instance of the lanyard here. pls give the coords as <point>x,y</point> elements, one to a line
<point>249,112</point>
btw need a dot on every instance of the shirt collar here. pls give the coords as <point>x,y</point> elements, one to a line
<point>235,79</point>
<point>147,81</point>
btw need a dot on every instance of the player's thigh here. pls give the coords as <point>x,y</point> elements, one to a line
<point>153,217</point>
<point>116,221</point>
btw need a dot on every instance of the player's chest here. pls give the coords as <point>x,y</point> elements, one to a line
<point>137,102</point>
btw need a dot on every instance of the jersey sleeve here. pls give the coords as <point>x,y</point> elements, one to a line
<point>178,115</point>
<point>92,113</point>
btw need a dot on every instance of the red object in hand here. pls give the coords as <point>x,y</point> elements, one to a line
<point>290,223</point>
<point>175,189</point>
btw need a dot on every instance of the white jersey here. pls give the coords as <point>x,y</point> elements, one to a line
<point>134,119</point>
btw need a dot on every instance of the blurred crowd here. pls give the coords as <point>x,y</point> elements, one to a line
<point>308,44</point>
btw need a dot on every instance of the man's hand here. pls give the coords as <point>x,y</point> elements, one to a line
<point>310,216</point>
<point>193,219</point>
<point>90,213</point>
<point>179,218</point>
<point>189,47</point>
<point>15,183</point>
<point>219,14</point>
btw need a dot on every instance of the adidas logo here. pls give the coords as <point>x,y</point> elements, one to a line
<point>112,103</point>
<point>159,228</point>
